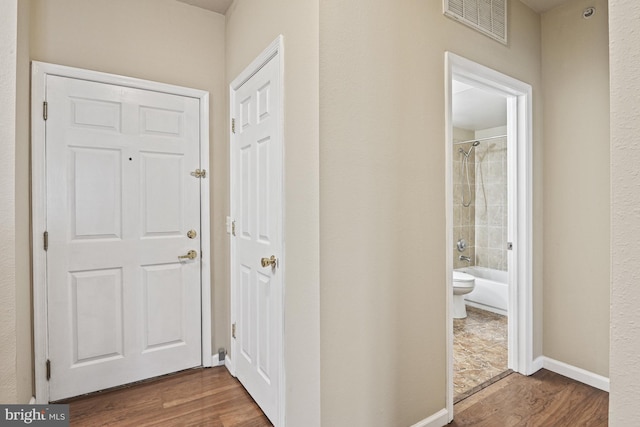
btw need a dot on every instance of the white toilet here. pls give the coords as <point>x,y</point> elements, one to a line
<point>463,283</point>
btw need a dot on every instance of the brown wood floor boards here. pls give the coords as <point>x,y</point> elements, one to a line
<point>198,397</point>
<point>213,398</point>
<point>543,399</point>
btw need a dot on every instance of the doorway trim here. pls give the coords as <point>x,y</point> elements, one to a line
<point>39,73</point>
<point>520,154</point>
<point>275,50</point>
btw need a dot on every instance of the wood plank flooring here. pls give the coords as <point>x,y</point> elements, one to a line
<point>542,399</point>
<point>213,398</point>
<point>197,397</point>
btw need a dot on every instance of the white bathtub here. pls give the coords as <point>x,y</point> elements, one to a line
<point>491,291</point>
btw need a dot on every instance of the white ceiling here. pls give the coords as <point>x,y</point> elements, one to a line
<point>476,109</point>
<point>542,6</point>
<point>218,6</point>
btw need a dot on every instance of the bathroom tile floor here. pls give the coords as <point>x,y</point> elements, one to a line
<point>479,351</point>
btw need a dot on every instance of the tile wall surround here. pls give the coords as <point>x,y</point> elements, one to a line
<point>463,218</point>
<point>491,200</point>
<point>484,223</point>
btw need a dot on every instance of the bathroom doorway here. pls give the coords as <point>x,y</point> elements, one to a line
<point>488,188</point>
<point>480,236</point>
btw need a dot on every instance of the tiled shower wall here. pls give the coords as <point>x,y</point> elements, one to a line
<point>463,218</point>
<point>484,223</point>
<point>491,200</point>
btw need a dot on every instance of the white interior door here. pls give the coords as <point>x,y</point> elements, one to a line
<point>120,201</point>
<point>257,209</point>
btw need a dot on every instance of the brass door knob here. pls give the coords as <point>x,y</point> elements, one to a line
<point>190,255</point>
<point>266,262</point>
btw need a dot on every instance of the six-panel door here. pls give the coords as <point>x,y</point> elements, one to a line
<point>257,208</point>
<point>120,200</point>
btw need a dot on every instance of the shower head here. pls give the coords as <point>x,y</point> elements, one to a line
<point>468,153</point>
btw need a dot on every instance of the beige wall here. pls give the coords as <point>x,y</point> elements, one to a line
<point>382,195</point>
<point>624,16</point>
<point>576,186</point>
<point>16,366</point>
<point>159,40</point>
<point>24,329</point>
<point>8,67</point>
<point>251,26</point>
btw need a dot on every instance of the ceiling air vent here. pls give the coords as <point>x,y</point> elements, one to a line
<point>487,16</point>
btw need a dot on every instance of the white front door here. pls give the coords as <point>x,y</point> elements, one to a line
<point>120,201</point>
<point>256,206</point>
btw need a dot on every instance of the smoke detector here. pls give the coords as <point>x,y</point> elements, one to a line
<point>589,12</point>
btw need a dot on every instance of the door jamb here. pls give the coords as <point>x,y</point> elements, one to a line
<point>39,73</point>
<point>276,48</point>
<point>520,114</point>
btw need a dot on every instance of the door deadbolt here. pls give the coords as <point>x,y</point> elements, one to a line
<point>190,255</point>
<point>192,234</point>
<point>266,262</point>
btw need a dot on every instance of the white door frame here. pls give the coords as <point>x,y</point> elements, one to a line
<point>520,201</point>
<point>274,51</point>
<point>39,73</point>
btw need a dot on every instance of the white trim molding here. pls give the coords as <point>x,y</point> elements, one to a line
<point>39,73</point>
<point>215,360</point>
<point>538,363</point>
<point>575,373</point>
<point>228,363</point>
<point>439,419</point>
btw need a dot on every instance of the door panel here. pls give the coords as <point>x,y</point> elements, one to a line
<point>162,179</point>
<point>96,193</point>
<point>257,208</point>
<point>97,328</point>
<point>120,199</point>
<point>163,287</point>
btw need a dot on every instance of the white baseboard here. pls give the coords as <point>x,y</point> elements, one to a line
<point>229,365</point>
<point>538,363</point>
<point>575,373</point>
<point>215,360</point>
<point>32,401</point>
<point>439,419</point>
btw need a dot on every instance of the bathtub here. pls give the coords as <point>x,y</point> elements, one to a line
<point>491,291</point>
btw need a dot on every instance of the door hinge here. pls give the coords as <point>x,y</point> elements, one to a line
<point>233,330</point>
<point>48,369</point>
<point>45,238</point>
<point>45,110</point>
<point>233,228</point>
<point>233,125</point>
<point>509,246</point>
<point>199,173</point>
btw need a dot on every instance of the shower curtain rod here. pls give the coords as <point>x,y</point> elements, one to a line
<point>480,139</point>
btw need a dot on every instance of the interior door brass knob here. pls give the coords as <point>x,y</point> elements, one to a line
<point>190,255</point>
<point>266,262</point>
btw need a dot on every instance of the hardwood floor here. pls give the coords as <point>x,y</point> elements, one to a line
<point>197,397</point>
<point>543,399</point>
<point>213,398</point>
